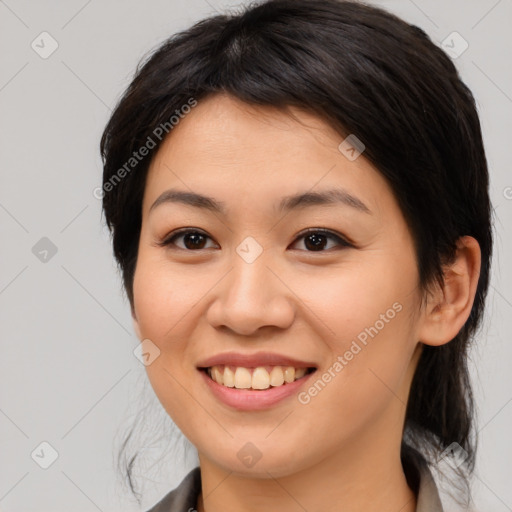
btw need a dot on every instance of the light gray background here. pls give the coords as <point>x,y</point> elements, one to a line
<point>68,374</point>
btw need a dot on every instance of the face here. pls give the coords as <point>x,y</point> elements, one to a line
<point>306,283</point>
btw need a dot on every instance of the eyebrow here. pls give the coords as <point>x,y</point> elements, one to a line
<point>287,203</point>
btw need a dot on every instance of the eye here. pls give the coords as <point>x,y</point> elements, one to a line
<point>192,239</point>
<point>315,239</point>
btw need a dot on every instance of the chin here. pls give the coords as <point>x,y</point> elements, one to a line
<point>248,461</point>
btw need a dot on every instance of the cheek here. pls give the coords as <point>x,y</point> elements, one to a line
<point>163,303</point>
<point>364,315</point>
<point>364,381</point>
<point>162,298</point>
<point>347,300</point>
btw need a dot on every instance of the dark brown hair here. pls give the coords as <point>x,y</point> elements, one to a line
<point>368,73</point>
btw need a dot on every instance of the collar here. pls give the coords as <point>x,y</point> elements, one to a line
<point>428,499</point>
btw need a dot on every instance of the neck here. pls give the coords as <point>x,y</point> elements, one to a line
<point>361,477</point>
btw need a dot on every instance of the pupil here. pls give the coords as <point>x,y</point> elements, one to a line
<point>318,241</point>
<point>195,239</point>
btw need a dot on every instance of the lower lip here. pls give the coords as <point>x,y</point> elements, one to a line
<point>253,400</point>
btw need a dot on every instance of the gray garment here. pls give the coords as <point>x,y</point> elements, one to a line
<point>184,497</point>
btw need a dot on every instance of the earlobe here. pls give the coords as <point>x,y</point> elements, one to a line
<point>449,308</point>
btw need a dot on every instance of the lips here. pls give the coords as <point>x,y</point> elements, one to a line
<point>265,394</point>
<point>254,360</point>
<point>255,399</point>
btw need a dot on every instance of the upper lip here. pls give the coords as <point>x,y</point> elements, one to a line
<point>253,360</point>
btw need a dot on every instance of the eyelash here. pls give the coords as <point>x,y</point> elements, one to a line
<point>168,241</point>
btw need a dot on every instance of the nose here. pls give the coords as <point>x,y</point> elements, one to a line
<point>251,296</point>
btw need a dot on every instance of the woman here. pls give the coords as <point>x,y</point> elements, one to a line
<point>298,198</point>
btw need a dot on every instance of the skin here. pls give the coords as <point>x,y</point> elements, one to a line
<point>341,450</point>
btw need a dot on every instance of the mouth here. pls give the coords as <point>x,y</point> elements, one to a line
<point>257,378</point>
<point>254,382</point>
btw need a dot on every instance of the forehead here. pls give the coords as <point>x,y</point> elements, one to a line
<point>221,122</point>
<point>229,149</point>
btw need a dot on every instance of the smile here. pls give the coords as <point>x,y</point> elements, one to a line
<point>249,398</point>
<point>258,378</point>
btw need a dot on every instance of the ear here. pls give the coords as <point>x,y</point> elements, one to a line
<point>136,325</point>
<point>449,307</point>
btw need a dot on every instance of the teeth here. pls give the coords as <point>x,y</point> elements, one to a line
<point>289,374</point>
<point>260,378</point>
<point>300,372</point>
<point>217,376</point>
<point>276,376</point>
<point>242,378</point>
<point>229,378</point>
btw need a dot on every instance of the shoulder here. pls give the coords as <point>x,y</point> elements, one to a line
<point>182,498</point>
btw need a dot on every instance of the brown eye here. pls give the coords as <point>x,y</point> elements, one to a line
<point>316,240</point>
<point>192,239</point>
